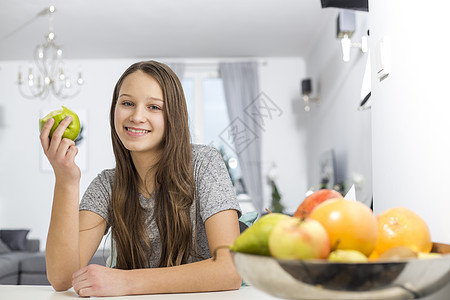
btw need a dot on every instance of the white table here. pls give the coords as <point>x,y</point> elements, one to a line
<point>40,292</point>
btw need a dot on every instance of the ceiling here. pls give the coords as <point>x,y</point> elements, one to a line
<point>93,29</point>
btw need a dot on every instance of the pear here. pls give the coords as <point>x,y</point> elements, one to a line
<point>424,255</point>
<point>347,256</point>
<point>255,239</point>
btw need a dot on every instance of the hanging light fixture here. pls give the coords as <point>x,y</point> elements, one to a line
<point>346,26</point>
<point>50,75</point>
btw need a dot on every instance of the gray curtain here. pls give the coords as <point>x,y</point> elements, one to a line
<point>241,87</point>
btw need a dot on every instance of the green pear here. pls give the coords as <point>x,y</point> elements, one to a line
<point>255,239</point>
<point>347,256</point>
<point>58,115</point>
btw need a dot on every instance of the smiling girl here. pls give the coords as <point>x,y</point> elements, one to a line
<point>169,204</point>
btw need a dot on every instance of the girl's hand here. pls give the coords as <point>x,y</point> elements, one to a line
<point>96,280</point>
<point>60,152</point>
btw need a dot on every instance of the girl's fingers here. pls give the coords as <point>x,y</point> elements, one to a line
<point>85,292</point>
<point>61,152</point>
<point>81,286</point>
<point>45,134</point>
<point>77,275</point>
<point>72,152</point>
<point>58,133</point>
<point>79,279</point>
<point>63,149</point>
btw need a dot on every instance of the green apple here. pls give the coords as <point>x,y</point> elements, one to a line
<point>58,115</point>
<point>297,238</point>
<point>347,256</point>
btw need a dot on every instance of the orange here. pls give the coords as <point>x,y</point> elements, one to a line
<point>400,226</point>
<point>350,224</point>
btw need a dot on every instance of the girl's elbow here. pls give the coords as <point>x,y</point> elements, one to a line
<point>59,284</point>
<point>235,286</point>
<point>234,281</point>
<point>60,287</point>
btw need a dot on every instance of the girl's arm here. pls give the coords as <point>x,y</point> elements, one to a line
<point>63,243</point>
<point>207,275</point>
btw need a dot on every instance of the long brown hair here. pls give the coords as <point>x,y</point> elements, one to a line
<point>174,182</point>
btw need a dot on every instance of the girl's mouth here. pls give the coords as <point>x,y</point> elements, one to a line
<point>136,131</point>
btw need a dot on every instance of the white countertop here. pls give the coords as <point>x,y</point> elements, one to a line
<point>39,292</point>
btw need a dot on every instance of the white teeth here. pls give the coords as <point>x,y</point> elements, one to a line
<point>137,130</point>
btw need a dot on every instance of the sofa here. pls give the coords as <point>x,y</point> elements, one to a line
<point>22,263</point>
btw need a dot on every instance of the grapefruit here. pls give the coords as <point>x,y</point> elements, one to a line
<point>400,226</point>
<point>351,225</point>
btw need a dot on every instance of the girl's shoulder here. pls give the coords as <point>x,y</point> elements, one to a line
<point>105,178</point>
<point>201,152</point>
<point>107,174</point>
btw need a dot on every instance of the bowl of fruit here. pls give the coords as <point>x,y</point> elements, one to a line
<point>338,249</point>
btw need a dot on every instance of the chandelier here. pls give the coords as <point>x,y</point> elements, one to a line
<point>50,74</point>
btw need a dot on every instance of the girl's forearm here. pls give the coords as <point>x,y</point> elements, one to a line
<point>62,249</point>
<point>203,276</point>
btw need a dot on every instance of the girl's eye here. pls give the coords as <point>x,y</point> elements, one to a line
<point>127,103</point>
<point>154,107</point>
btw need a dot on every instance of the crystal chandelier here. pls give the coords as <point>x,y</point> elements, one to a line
<point>50,75</point>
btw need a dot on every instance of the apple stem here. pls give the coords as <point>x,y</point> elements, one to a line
<point>336,244</point>
<point>214,256</point>
<point>268,210</point>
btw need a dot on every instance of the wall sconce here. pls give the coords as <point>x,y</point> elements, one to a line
<point>346,26</point>
<point>306,94</point>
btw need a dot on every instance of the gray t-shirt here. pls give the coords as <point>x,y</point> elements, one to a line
<point>214,193</point>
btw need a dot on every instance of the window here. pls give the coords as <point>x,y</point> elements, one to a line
<point>208,118</point>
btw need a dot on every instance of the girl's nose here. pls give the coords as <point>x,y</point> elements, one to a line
<point>138,115</point>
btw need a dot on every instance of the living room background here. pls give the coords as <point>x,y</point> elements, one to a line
<point>405,130</point>
<point>26,197</point>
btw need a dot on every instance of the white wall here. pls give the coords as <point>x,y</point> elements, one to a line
<point>410,112</point>
<point>283,140</point>
<point>335,122</point>
<point>26,192</point>
<point>409,116</point>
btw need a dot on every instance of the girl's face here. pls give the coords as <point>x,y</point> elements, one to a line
<point>138,116</point>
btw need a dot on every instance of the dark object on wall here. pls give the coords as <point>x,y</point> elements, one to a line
<point>306,89</point>
<point>347,4</point>
<point>306,86</point>
<point>365,102</point>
